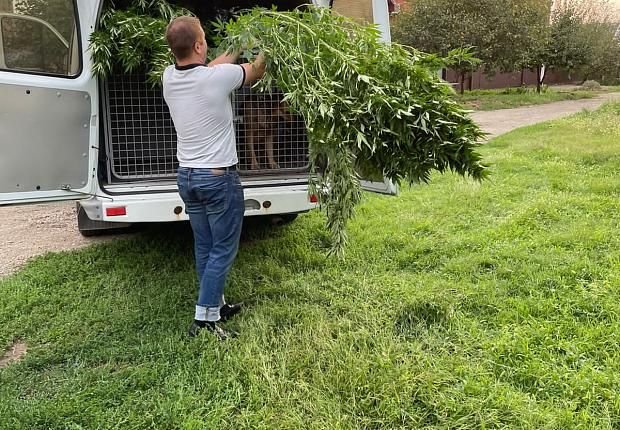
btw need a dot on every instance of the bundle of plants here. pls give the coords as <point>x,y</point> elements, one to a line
<point>132,38</point>
<point>372,110</point>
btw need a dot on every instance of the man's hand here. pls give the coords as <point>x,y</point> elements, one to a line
<point>254,71</point>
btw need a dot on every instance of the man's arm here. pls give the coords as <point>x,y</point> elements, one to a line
<point>254,71</point>
<point>225,58</point>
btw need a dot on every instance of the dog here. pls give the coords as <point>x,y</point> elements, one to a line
<point>261,116</point>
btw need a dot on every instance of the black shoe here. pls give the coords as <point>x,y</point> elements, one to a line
<point>228,311</point>
<point>219,332</point>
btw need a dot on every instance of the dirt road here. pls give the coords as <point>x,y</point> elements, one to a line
<point>27,231</point>
<point>502,121</point>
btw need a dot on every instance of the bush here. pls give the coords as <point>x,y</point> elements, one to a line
<point>591,86</point>
<point>523,90</point>
<point>517,90</point>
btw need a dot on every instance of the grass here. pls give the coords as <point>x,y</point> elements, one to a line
<point>459,306</point>
<point>516,97</point>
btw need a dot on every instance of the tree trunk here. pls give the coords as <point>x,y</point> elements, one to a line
<point>462,83</point>
<point>522,77</point>
<point>471,81</point>
<point>538,81</point>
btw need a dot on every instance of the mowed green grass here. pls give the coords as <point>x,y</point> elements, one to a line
<point>459,306</point>
<point>514,97</point>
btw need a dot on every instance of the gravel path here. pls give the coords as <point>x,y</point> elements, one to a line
<point>28,231</point>
<point>504,120</point>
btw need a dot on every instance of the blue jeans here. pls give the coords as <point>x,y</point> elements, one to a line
<point>214,202</point>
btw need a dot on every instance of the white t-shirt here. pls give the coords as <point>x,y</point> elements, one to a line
<point>199,101</point>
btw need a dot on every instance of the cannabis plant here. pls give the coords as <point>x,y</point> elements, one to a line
<point>132,38</point>
<point>372,109</point>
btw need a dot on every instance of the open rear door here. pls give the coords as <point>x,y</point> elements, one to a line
<point>48,99</point>
<point>375,11</point>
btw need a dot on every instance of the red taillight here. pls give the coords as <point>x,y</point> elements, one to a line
<point>314,198</point>
<point>119,211</point>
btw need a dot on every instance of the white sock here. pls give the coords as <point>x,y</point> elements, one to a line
<point>213,314</point>
<point>201,313</point>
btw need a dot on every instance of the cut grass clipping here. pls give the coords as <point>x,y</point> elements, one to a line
<point>371,109</point>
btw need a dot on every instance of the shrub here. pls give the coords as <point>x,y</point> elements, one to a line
<point>591,86</point>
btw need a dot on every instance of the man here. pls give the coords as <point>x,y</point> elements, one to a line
<point>198,97</point>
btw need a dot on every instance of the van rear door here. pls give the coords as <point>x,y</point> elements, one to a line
<point>48,101</point>
<point>375,11</point>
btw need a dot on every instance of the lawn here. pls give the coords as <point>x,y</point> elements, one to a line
<point>516,97</point>
<point>458,306</point>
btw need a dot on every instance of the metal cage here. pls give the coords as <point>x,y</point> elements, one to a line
<point>141,140</point>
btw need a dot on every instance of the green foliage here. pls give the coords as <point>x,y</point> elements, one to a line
<point>591,86</point>
<point>58,13</point>
<point>502,31</point>
<point>603,52</point>
<point>370,108</point>
<point>463,61</point>
<point>517,90</point>
<point>568,49</point>
<point>580,37</point>
<point>132,39</point>
<point>519,34</point>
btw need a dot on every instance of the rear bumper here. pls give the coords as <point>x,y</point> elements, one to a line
<point>168,206</point>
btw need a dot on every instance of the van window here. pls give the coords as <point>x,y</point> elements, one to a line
<point>39,36</point>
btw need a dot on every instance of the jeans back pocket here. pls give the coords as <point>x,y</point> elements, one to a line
<point>212,191</point>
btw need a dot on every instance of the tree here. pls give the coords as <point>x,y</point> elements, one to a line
<point>569,44</point>
<point>599,33</point>
<point>463,61</point>
<point>580,36</point>
<point>436,26</point>
<point>59,13</point>
<point>604,53</point>
<point>501,31</point>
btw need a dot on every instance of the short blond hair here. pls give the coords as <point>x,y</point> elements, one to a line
<point>181,34</point>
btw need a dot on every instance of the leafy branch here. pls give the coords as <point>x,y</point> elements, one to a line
<point>133,38</point>
<point>371,109</point>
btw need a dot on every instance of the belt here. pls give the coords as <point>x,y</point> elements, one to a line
<point>221,170</point>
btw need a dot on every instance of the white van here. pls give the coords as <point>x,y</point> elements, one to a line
<point>64,135</point>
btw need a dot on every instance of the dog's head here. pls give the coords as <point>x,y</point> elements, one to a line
<point>283,112</point>
<point>267,111</point>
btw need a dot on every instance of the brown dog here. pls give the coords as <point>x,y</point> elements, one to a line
<point>261,116</point>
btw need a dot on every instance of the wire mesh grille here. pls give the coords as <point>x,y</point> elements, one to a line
<point>141,140</point>
<point>141,137</point>
<point>269,137</point>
